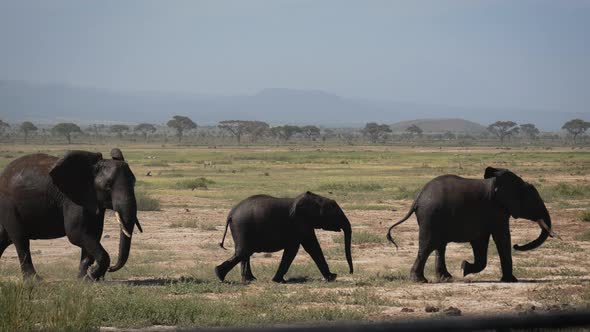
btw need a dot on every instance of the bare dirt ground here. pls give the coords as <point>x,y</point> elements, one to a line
<point>555,276</point>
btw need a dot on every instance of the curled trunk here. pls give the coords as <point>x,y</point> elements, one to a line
<point>542,237</point>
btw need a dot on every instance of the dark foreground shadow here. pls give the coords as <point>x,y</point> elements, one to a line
<point>298,280</point>
<point>522,281</point>
<point>159,281</point>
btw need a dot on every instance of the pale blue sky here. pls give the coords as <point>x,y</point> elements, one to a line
<point>496,53</point>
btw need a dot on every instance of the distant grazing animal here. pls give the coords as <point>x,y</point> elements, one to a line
<point>454,209</point>
<point>45,197</point>
<point>264,223</point>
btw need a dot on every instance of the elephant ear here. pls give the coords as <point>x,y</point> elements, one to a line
<point>117,154</point>
<point>492,172</point>
<point>74,175</point>
<point>508,188</point>
<point>306,207</point>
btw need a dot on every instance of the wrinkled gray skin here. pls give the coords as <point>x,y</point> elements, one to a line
<point>45,197</point>
<point>264,223</point>
<point>454,209</point>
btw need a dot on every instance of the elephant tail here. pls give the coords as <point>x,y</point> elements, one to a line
<point>412,210</point>
<point>225,232</point>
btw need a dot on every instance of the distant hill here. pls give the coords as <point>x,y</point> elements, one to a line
<point>52,103</point>
<point>441,126</point>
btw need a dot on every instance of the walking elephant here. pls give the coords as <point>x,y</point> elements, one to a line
<point>45,197</point>
<point>454,209</point>
<point>264,223</point>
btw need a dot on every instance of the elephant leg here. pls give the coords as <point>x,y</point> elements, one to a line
<point>4,241</point>
<point>246,271</point>
<point>92,247</point>
<point>480,257</point>
<point>312,246</point>
<point>503,245</point>
<point>425,248</point>
<point>288,255</point>
<point>442,274</point>
<point>223,269</point>
<point>24,256</point>
<point>85,261</point>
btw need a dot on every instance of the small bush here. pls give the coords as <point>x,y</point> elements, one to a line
<point>350,186</point>
<point>584,236</point>
<point>200,183</point>
<point>145,202</point>
<point>585,216</point>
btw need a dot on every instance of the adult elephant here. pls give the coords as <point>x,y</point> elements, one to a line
<point>45,197</point>
<point>454,209</point>
<point>264,223</point>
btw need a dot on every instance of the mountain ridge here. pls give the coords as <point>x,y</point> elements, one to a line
<point>54,102</point>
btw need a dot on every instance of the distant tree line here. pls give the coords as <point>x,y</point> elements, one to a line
<point>252,132</point>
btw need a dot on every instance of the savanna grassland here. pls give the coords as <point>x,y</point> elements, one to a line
<point>169,278</point>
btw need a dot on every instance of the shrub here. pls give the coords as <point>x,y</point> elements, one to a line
<point>584,236</point>
<point>194,183</point>
<point>145,202</point>
<point>585,216</point>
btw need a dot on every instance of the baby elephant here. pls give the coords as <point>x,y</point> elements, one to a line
<point>264,223</point>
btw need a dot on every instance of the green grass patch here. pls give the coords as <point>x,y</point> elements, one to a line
<point>350,186</point>
<point>199,183</point>
<point>157,163</point>
<point>565,191</point>
<point>26,306</point>
<point>145,202</point>
<point>362,237</point>
<point>584,236</point>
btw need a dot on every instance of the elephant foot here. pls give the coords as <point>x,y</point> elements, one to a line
<point>219,273</point>
<point>444,277</point>
<point>330,277</point>
<point>90,278</point>
<point>466,267</point>
<point>509,278</point>
<point>418,278</point>
<point>280,280</point>
<point>34,277</point>
<point>248,279</point>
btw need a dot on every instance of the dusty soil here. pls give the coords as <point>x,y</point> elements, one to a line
<point>553,276</point>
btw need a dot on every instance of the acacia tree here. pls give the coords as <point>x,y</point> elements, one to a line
<point>285,132</point>
<point>375,131</point>
<point>181,124</point>
<point>503,129</point>
<point>3,127</point>
<point>234,127</point>
<point>576,127</point>
<point>449,136</point>
<point>119,129</point>
<point>145,129</point>
<point>257,129</point>
<point>530,131</point>
<point>414,130</point>
<point>311,132</point>
<point>66,129</point>
<point>27,127</point>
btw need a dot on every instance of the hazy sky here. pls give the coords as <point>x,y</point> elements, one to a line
<point>496,53</point>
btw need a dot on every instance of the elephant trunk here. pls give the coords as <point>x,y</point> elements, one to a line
<point>127,226</point>
<point>347,229</point>
<point>545,225</point>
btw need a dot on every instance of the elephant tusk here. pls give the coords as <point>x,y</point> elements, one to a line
<point>118,217</point>
<point>544,226</point>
